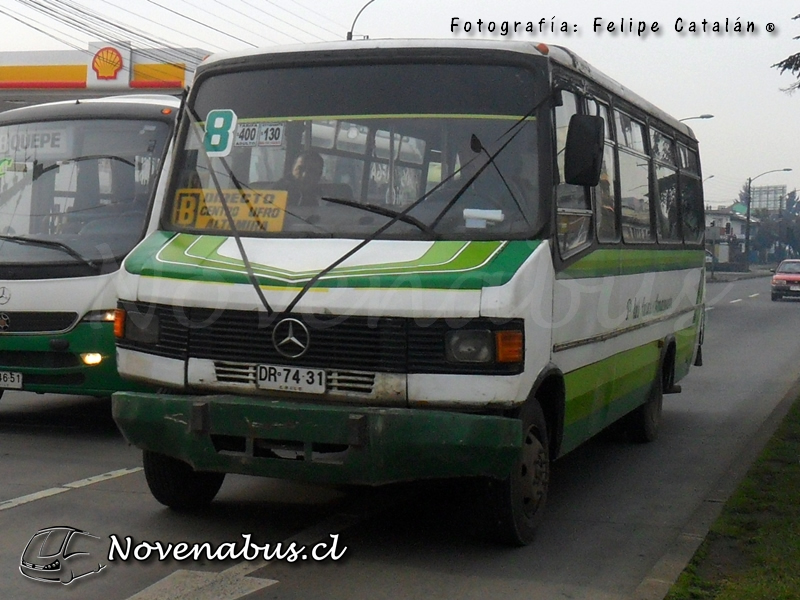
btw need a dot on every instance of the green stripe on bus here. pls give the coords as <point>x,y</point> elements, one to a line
<point>600,393</point>
<point>446,265</point>
<point>631,261</point>
<point>591,388</point>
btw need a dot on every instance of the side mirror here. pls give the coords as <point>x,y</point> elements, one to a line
<point>583,156</point>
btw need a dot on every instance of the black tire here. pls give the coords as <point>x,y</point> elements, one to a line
<point>642,424</point>
<point>175,484</point>
<point>775,297</point>
<point>516,505</point>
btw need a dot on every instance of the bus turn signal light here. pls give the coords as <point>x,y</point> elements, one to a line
<point>509,347</point>
<point>119,323</point>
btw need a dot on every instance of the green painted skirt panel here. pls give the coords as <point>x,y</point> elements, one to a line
<point>320,443</point>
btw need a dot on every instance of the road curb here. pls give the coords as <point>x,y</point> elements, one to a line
<point>724,277</point>
<point>657,583</point>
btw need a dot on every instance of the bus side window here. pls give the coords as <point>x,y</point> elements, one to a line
<point>574,216</point>
<point>666,187</point>
<point>634,179</point>
<point>691,194</point>
<point>605,202</point>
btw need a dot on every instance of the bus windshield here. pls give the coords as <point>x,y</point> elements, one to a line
<point>431,151</point>
<point>76,190</point>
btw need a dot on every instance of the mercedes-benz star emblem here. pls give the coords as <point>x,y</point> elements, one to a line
<point>5,295</point>
<point>5,322</point>
<point>291,338</point>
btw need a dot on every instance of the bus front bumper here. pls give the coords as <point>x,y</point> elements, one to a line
<point>318,443</point>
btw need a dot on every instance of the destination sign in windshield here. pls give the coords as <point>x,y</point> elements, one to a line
<point>35,142</point>
<point>251,210</point>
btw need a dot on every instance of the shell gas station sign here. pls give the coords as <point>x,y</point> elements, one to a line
<point>105,66</point>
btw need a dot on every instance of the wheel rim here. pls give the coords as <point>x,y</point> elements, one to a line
<point>532,474</point>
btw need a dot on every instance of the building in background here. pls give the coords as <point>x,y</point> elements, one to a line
<point>770,198</point>
<point>103,69</point>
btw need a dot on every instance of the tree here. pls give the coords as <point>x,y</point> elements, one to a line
<point>791,64</point>
<point>743,199</point>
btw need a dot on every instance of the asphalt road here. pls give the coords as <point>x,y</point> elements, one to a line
<point>621,518</point>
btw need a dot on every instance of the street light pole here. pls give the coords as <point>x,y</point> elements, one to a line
<point>353,26</point>
<point>747,223</point>
<point>697,117</point>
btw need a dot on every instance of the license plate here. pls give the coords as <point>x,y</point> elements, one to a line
<point>291,379</point>
<point>10,380</point>
<point>794,288</point>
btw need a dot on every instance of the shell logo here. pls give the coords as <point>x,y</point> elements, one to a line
<point>107,62</point>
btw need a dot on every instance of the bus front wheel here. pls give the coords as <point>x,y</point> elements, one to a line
<point>517,503</point>
<point>175,484</point>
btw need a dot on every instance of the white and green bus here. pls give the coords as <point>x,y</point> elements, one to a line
<point>503,256</point>
<point>77,192</point>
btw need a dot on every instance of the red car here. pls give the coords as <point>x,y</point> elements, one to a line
<point>786,280</point>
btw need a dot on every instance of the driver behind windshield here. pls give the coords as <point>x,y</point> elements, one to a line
<point>302,183</point>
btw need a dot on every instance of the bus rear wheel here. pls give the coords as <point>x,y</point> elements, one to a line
<point>516,504</point>
<point>176,484</point>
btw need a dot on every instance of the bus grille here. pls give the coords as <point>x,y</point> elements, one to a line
<point>30,359</point>
<point>36,321</point>
<point>344,343</point>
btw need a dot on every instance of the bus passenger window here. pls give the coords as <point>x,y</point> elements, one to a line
<point>634,180</point>
<point>666,187</point>
<point>692,206</point>
<point>605,198</point>
<point>567,196</point>
<point>691,193</point>
<point>574,220</point>
<point>605,192</point>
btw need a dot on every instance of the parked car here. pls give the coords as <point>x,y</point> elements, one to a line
<point>786,280</point>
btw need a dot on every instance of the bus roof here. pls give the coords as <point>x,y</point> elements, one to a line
<point>122,106</point>
<point>558,54</point>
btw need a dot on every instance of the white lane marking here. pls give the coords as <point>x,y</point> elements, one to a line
<point>201,585</point>
<point>735,301</point>
<point>102,477</point>
<point>6,504</point>
<point>14,502</point>
<point>754,295</point>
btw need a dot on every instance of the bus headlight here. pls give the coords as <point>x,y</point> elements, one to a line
<point>472,346</point>
<point>99,316</point>
<point>484,346</point>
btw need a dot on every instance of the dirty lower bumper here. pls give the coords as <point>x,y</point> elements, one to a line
<point>320,443</point>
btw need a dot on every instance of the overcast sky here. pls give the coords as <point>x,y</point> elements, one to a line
<point>755,125</point>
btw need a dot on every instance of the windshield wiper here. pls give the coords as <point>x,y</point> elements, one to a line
<point>251,276</point>
<point>52,244</point>
<point>75,159</point>
<point>386,212</point>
